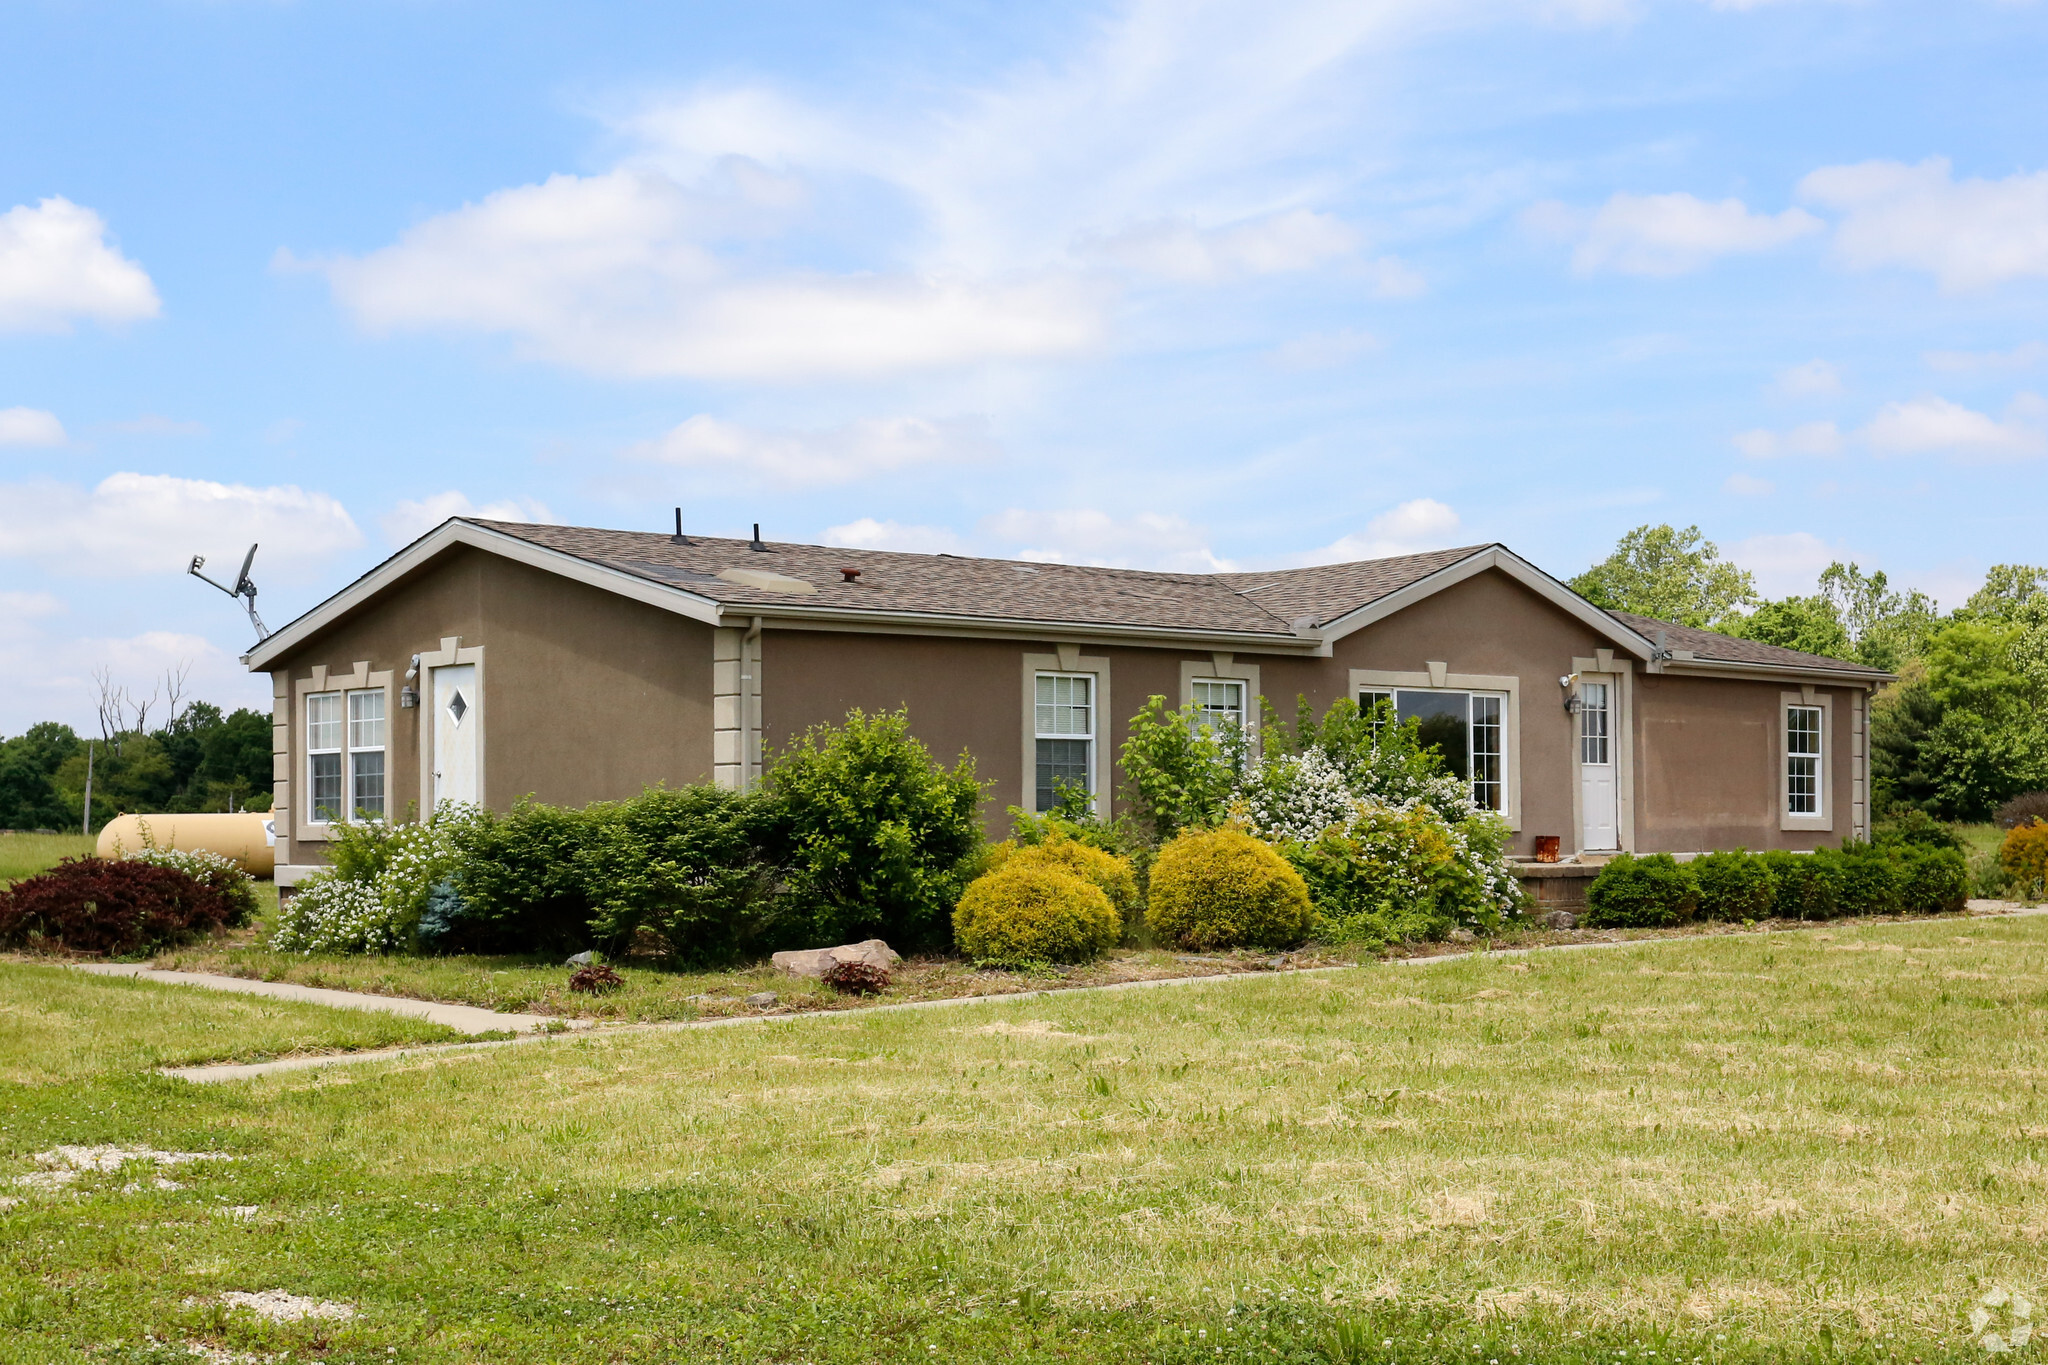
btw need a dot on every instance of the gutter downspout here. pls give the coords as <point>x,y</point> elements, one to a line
<point>750,706</point>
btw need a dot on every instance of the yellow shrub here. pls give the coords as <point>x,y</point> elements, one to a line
<point>2025,855</point>
<point>1221,888</point>
<point>1115,876</point>
<point>1022,913</point>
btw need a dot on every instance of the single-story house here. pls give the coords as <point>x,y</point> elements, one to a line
<point>489,660</point>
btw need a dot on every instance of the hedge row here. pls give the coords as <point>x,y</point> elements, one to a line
<point>1857,879</point>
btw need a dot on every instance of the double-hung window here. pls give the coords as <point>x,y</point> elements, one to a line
<point>1467,728</point>
<point>345,755</point>
<point>1064,726</point>
<point>1802,760</point>
<point>1219,702</point>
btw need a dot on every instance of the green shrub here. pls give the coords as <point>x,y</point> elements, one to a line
<point>1178,769</point>
<point>520,879</point>
<point>1221,888</point>
<point>875,839</point>
<point>1114,876</point>
<point>1908,826</point>
<point>1641,893</point>
<point>1401,876</point>
<point>1734,886</point>
<point>684,865</point>
<point>2024,857</point>
<point>1808,884</point>
<point>1868,879</point>
<point>1933,881</point>
<point>374,894</point>
<point>1025,913</point>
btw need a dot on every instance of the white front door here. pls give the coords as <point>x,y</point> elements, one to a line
<point>456,721</point>
<point>1597,823</point>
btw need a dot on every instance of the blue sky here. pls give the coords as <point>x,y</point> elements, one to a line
<point>1185,285</point>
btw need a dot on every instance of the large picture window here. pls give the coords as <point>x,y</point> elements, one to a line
<point>1064,726</point>
<point>1802,760</point>
<point>1467,728</point>
<point>345,755</point>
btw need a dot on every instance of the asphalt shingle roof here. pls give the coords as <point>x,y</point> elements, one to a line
<point>1707,644</point>
<point>1261,603</point>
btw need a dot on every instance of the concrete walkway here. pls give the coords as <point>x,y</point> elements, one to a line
<point>462,1018</point>
<point>250,1070</point>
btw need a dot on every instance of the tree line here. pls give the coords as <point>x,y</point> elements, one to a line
<point>201,759</point>
<point>1965,727</point>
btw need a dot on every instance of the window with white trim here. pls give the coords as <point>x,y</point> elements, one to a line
<point>1802,760</point>
<point>1064,727</point>
<point>1468,728</point>
<point>1218,701</point>
<point>345,755</point>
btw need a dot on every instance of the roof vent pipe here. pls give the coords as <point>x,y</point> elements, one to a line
<point>849,575</point>
<point>679,538</point>
<point>757,546</point>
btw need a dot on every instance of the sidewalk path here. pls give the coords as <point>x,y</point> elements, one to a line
<point>249,1070</point>
<point>461,1018</point>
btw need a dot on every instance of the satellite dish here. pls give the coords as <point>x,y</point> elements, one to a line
<point>244,590</point>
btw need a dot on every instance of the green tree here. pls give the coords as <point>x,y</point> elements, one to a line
<point>1178,770</point>
<point>1808,624</point>
<point>2007,589</point>
<point>1673,575</point>
<point>1886,628</point>
<point>29,798</point>
<point>1963,730</point>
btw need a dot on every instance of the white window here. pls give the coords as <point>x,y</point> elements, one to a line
<point>366,754</point>
<point>1219,701</point>
<point>1802,760</point>
<point>324,745</point>
<point>1594,740</point>
<point>1467,728</point>
<point>345,755</point>
<point>1064,726</point>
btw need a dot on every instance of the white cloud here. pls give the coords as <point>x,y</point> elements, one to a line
<point>46,675</point>
<point>16,607</point>
<point>1149,540</point>
<point>1666,234</point>
<point>408,520</point>
<point>1969,234</point>
<point>156,424</point>
<point>870,534</point>
<point>611,273</point>
<point>1934,423</point>
<point>1808,438</point>
<point>802,459</point>
<point>1297,240</point>
<point>1816,378</point>
<point>2024,356</point>
<point>56,267</point>
<point>1323,350</point>
<point>1414,526</point>
<point>30,427</point>
<point>1789,563</point>
<point>135,524</point>
<point>1748,486</point>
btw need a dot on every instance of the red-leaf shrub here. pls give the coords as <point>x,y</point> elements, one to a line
<point>111,905</point>
<point>595,979</point>
<point>857,978</point>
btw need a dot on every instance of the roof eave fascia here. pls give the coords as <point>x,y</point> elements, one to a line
<point>1514,566</point>
<point>1016,626</point>
<point>1736,667</point>
<point>457,532</point>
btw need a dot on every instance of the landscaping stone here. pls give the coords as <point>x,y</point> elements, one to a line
<point>815,962</point>
<point>764,999</point>
<point>1463,936</point>
<point>582,959</point>
<point>1560,919</point>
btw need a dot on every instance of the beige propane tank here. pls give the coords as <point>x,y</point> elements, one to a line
<point>245,837</point>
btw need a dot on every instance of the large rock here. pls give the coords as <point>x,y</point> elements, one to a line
<point>1560,919</point>
<point>815,962</point>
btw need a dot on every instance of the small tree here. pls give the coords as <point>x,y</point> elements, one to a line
<point>1179,768</point>
<point>875,837</point>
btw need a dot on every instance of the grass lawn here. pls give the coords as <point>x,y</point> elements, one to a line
<point>1826,1145</point>
<point>24,855</point>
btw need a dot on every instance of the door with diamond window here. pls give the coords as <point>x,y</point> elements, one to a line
<point>456,722</point>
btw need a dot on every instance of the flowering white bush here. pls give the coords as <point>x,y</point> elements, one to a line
<point>1294,797</point>
<point>371,900</point>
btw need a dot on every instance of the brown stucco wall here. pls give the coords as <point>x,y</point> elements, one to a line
<point>1707,756</point>
<point>587,695</point>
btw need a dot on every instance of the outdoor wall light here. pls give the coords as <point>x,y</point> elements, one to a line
<point>1571,699</point>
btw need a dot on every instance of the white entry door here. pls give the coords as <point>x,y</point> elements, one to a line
<point>456,722</point>
<point>1597,822</point>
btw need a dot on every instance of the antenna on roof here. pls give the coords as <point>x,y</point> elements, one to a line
<point>244,590</point>
<point>679,538</point>
<point>757,545</point>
